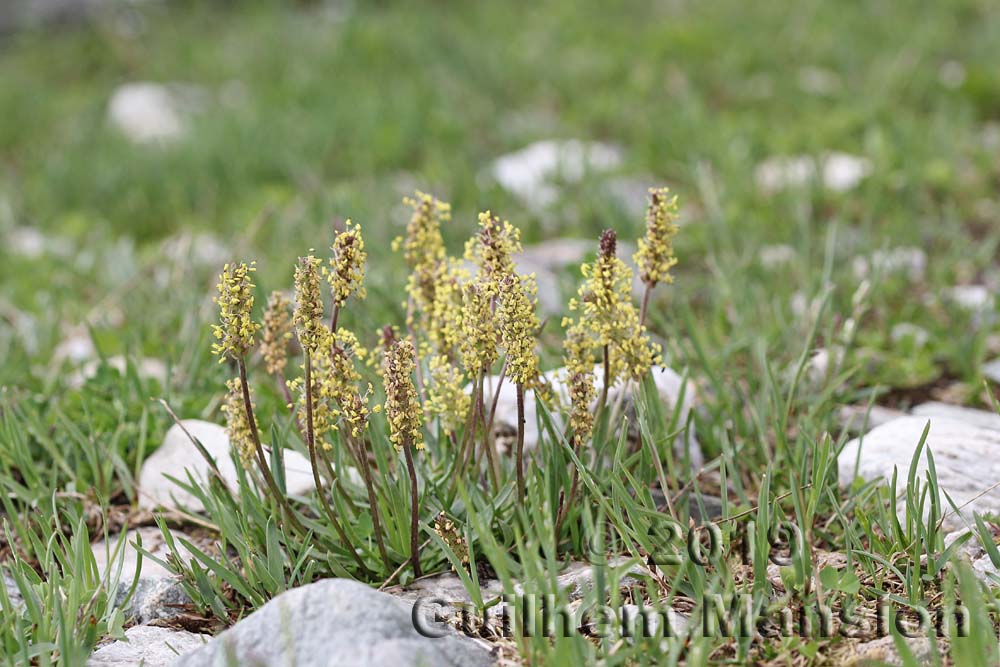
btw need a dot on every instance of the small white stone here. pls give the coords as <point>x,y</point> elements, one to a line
<point>904,260</point>
<point>909,330</point>
<point>971,416</point>
<point>819,81</point>
<point>838,172</point>
<point>532,173</point>
<point>178,455</point>
<point>149,646</point>
<point>148,112</point>
<point>150,369</point>
<point>991,370</point>
<point>774,256</point>
<point>966,457</point>
<point>976,298</point>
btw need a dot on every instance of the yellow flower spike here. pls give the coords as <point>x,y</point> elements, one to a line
<point>608,316</point>
<point>237,425</point>
<point>655,256</point>
<point>423,243</point>
<point>309,305</point>
<point>347,266</point>
<point>446,397</point>
<point>402,408</point>
<point>492,250</point>
<point>479,336</point>
<point>518,323</point>
<point>582,393</point>
<point>277,333</point>
<point>236,329</point>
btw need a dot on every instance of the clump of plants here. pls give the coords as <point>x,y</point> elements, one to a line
<point>400,435</point>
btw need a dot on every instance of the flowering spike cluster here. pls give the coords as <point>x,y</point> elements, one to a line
<point>423,242</point>
<point>492,250</point>
<point>518,323</point>
<point>446,397</point>
<point>277,333</point>
<point>237,424</point>
<point>655,256</point>
<point>582,394</point>
<point>236,328</point>
<point>402,409</point>
<point>334,387</point>
<point>347,265</point>
<point>443,315</point>
<point>607,315</point>
<point>449,533</point>
<point>309,305</point>
<point>479,336</point>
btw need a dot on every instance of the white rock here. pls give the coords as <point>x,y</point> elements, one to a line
<point>27,242</point>
<point>178,454</point>
<point>337,623</point>
<point>838,172</point>
<point>76,348</point>
<point>148,112</point>
<point>149,369</point>
<point>882,651</point>
<point>854,418</point>
<point>668,383</point>
<point>975,298</point>
<point>158,593</point>
<point>973,551</point>
<point>149,646</point>
<point>904,260</point>
<point>991,370</point>
<point>532,173</point>
<point>774,256</point>
<point>819,81</point>
<point>905,330</point>
<point>970,416</point>
<point>966,457</point>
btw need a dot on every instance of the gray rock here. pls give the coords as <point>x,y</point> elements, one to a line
<point>335,623</point>
<point>158,593</point>
<point>668,383</point>
<point>967,459</point>
<point>148,646</point>
<point>147,112</point>
<point>13,592</point>
<point>907,261</point>
<point>973,552</point>
<point>991,370</point>
<point>882,651</point>
<point>856,418</point>
<point>532,174</point>
<point>970,416</point>
<point>178,454</point>
<point>838,172</point>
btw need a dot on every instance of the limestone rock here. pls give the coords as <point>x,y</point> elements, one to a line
<point>668,383</point>
<point>970,416</point>
<point>178,454</point>
<point>966,456</point>
<point>532,173</point>
<point>838,172</point>
<point>335,623</point>
<point>158,593</point>
<point>148,646</point>
<point>147,112</point>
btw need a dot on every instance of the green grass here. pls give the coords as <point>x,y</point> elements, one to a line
<point>335,118</point>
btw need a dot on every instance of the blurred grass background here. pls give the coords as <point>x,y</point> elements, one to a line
<point>316,111</point>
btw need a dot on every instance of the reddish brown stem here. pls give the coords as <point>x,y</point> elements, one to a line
<point>414,509</point>
<point>520,442</point>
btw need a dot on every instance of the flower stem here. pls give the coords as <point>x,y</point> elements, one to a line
<point>645,303</point>
<point>265,470</point>
<point>311,442</point>
<point>376,511</point>
<point>414,509</point>
<point>602,402</point>
<point>520,442</point>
